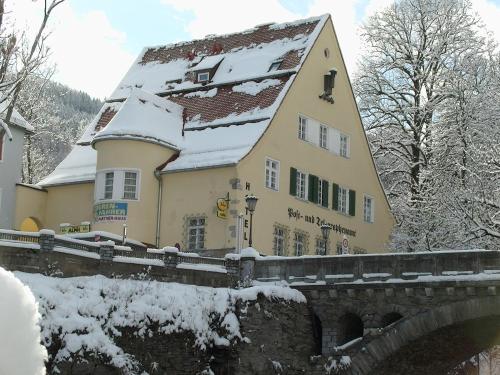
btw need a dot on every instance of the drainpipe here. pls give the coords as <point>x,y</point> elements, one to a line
<point>157,174</point>
<point>158,208</point>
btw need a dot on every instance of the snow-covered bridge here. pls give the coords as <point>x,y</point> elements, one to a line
<point>406,313</point>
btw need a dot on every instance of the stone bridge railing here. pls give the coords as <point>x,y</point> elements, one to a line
<point>186,267</point>
<point>297,271</point>
<point>376,267</point>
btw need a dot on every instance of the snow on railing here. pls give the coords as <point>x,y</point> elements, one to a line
<point>14,235</point>
<point>168,256</point>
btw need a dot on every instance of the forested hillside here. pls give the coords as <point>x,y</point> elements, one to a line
<point>59,114</point>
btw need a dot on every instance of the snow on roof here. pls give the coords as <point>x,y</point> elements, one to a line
<point>242,56</point>
<point>78,166</point>
<point>16,117</point>
<point>146,116</point>
<point>217,147</point>
<point>207,62</point>
<point>224,118</point>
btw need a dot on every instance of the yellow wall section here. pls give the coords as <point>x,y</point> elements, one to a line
<point>281,143</point>
<point>195,193</point>
<point>146,157</point>
<point>30,203</point>
<point>68,204</point>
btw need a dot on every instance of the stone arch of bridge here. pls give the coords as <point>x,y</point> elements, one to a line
<point>402,337</point>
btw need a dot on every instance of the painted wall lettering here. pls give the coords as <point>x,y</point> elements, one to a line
<point>294,214</point>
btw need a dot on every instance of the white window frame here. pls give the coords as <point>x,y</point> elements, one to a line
<point>118,185</point>
<point>299,246</point>
<point>126,185</point>
<point>200,233</point>
<point>323,136</point>
<point>344,148</point>
<point>301,193</point>
<point>343,193</point>
<point>275,65</point>
<point>320,246</point>
<point>371,218</point>
<point>202,74</point>
<point>279,234</point>
<point>320,191</point>
<point>302,134</point>
<point>270,172</point>
<point>110,174</point>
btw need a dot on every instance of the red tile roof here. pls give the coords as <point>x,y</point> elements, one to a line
<point>223,43</point>
<point>226,101</point>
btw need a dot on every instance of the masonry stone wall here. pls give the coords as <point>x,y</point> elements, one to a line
<point>277,335</point>
<point>54,263</point>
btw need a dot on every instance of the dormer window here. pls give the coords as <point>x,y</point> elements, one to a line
<point>203,77</point>
<point>275,65</point>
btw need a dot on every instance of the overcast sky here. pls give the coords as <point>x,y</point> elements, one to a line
<point>94,42</point>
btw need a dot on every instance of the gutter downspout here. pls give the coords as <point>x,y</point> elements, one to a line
<point>157,173</point>
<point>158,208</point>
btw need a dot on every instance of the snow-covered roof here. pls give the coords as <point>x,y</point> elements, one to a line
<point>222,119</point>
<point>78,166</point>
<point>16,118</point>
<point>148,117</point>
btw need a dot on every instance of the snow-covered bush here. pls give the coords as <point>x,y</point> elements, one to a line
<point>83,315</point>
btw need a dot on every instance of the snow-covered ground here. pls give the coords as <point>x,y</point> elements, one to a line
<point>20,349</point>
<point>86,312</point>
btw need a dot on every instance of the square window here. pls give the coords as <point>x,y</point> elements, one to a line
<point>299,244</point>
<point>203,77</point>
<point>320,247</point>
<point>368,212</point>
<point>301,185</point>
<point>272,174</point>
<point>344,145</point>
<point>279,241</point>
<point>275,65</point>
<point>196,233</point>
<point>130,185</point>
<point>108,185</point>
<point>323,136</point>
<point>302,128</point>
<point>343,200</point>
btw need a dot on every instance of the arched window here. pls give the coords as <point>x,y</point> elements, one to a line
<point>350,327</point>
<point>317,333</point>
<point>390,318</point>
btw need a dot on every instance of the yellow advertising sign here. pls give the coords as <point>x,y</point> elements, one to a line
<point>68,229</point>
<point>222,208</point>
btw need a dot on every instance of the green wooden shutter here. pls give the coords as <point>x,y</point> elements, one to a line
<point>313,189</point>
<point>324,192</point>
<point>310,193</point>
<point>293,181</point>
<point>352,202</point>
<point>335,196</point>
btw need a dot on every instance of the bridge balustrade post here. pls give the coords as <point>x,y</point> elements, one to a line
<point>171,257</point>
<point>46,239</point>
<point>247,266</point>
<point>106,251</point>
<point>358,269</point>
<point>478,264</point>
<point>397,270</point>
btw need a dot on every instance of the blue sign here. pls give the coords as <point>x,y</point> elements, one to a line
<point>110,211</point>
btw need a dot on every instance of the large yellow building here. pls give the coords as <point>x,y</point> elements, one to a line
<point>194,127</point>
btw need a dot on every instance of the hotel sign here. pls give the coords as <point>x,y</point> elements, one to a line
<point>297,215</point>
<point>111,211</point>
